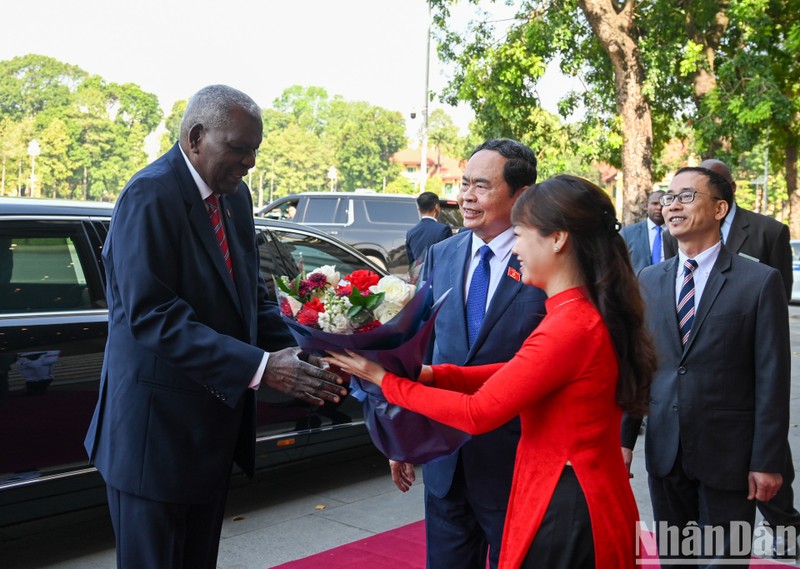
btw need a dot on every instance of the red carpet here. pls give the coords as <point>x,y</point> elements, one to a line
<point>404,548</point>
<point>401,548</point>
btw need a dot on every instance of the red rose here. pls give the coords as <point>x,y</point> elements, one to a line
<point>344,290</point>
<point>368,326</point>
<point>362,280</point>
<point>309,314</point>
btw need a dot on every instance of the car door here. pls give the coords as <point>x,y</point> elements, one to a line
<point>53,326</point>
<point>287,428</point>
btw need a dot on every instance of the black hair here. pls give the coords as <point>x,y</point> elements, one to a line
<point>585,212</point>
<point>427,202</point>
<point>520,167</point>
<point>716,182</point>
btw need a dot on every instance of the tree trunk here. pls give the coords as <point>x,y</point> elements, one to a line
<point>612,28</point>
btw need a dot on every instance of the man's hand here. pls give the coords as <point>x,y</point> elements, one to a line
<point>402,474</point>
<point>627,458</point>
<point>763,485</point>
<point>287,373</point>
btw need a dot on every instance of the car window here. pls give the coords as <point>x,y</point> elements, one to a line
<point>41,271</point>
<point>392,211</point>
<point>326,210</point>
<point>309,252</point>
<point>796,252</point>
<point>451,214</point>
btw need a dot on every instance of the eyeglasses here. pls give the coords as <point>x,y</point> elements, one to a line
<point>684,196</point>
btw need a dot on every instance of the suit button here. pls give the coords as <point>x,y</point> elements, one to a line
<point>681,370</point>
<point>674,407</point>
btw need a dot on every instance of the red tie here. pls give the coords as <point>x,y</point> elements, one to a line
<point>219,230</point>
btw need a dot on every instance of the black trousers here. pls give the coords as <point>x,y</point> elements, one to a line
<point>564,540</point>
<point>780,511</point>
<point>681,505</point>
<point>159,535</point>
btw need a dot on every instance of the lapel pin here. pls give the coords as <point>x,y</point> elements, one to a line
<point>513,273</point>
<point>228,212</point>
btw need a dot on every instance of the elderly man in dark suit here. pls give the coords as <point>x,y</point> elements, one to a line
<point>466,493</point>
<point>425,233</point>
<point>645,238</point>
<point>719,406</point>
<point>191,336</point>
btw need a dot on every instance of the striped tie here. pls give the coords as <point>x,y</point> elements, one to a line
<point>219,230</point>
<point>686,300</point>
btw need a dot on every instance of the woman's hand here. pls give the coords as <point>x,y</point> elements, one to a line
<point>357,365</point>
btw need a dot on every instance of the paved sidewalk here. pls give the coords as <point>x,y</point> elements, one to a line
<point>292,513</point>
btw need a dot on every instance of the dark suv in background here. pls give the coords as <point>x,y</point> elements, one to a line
<point>375,224</point>
<point>53,329</point>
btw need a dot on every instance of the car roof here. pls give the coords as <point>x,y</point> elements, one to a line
<point>37,206</point>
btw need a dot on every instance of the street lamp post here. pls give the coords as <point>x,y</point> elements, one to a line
<point>423,161</point>
<point>33,151</point>
<point>332,175</point>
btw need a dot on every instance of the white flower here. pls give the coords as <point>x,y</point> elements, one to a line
<point>386,311</point>
<point>331,275</point>
<point>335,323</point>
<point>395,290</point>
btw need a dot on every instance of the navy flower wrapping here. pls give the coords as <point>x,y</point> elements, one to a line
<point>399,346</point>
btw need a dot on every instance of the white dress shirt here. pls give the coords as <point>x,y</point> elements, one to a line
<point>501,249</point>
<point>705,262</point>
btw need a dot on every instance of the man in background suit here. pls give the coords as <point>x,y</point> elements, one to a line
<point>189,323</point>
<point>750,234</point>
<point>466,493</point>
<point>719,408</point>
<point>425,233</point>
<point>645,239</point>
<point>766,240</point>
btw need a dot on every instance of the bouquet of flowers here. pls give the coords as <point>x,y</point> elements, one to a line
<point>385,320</point>
<point>360,302</point>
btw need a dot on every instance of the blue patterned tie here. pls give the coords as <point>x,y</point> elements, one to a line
<point>686,300</point>
<point>656,254</point>
<point>476,297</point>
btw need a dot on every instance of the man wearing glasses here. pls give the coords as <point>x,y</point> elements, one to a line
<point>719,410</point>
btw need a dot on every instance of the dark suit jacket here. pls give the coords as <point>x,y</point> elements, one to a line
<point>637,238</point>
<point>725,395</point>
<point>424,234</point>
<point>761,237</point>
<point>174,405</point>
<point>514,311</point>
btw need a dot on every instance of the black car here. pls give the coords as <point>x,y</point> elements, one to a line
<point>375,224</point>
<point>53,328</point>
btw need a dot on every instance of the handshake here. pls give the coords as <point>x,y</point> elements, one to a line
<point>303,376</point>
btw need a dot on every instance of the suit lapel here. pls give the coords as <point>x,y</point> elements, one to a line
<point>235,247</point>
<point>457,282</point>
<point>201,225</point>
<point>644,244</point>
<point>738,233</point>
<point>667,319</point>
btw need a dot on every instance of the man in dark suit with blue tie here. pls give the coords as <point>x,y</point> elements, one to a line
<point>191,336</point>
<point>487,316</point>
<point>425,233</point>
<point>645,239</point>
<point>719,403</point>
